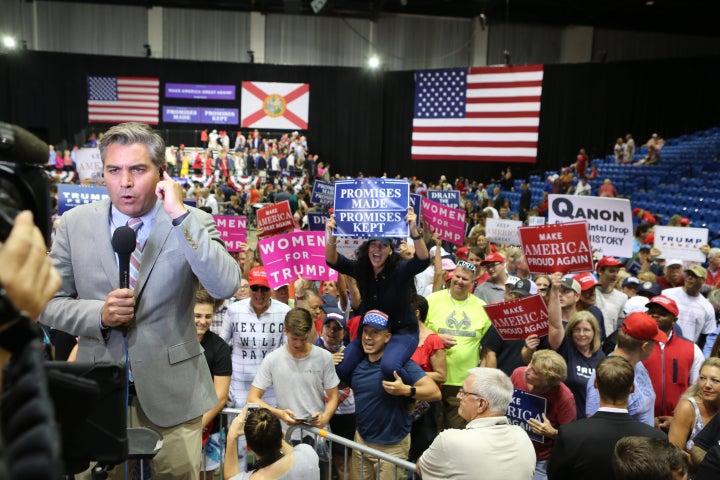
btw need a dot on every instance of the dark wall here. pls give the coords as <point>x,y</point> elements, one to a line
<point>591,105</point>
<point>361,120</point>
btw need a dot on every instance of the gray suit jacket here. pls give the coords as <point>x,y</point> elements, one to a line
<point>171,375</point>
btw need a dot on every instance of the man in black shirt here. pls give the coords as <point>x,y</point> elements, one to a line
<point>218,357</point>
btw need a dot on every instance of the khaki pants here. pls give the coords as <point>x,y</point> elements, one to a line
<point>369,463</point>
<point>181,453</point>
<point>450,418</point>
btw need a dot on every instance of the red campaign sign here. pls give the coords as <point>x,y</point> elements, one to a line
<point>558,247</point>
<point>518,319</point>
<point>448,222</point>
<point>275,219</point>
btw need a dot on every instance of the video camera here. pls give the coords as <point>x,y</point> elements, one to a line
<point>88,398</point>
<point>24,185</point>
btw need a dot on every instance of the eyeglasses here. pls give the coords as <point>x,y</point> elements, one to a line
<point>462,393</point>
<point>262,288</point>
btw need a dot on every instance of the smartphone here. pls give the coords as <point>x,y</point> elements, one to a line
<point>305,419</point>
<point>253,407</point>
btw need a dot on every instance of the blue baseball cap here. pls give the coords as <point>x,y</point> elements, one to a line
<point>329,301</point>
<point>384,240</point>
<point>376,319</point>
<point>333,314</point>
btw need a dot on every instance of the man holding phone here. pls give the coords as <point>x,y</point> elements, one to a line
<point>301,374</point>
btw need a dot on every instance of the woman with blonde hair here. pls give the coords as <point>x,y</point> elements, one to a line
<point>697,406</point>
<point>544,377</point>
<point>579,345</point>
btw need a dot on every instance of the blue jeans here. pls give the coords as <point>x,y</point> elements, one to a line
<point>397,352</point>
<point>540,470</point>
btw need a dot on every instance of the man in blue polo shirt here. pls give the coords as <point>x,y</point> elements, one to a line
<point>381,407</point>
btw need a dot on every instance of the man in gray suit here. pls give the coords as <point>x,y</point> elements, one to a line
<point>178,247</point>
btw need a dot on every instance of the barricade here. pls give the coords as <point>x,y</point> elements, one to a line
<point>403,468</point>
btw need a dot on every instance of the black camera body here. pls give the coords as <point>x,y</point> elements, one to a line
<point>24,184</point>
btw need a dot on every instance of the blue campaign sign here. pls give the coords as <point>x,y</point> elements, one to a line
<point>317,221</point>
<point>416,203</point>
<point>371,207</point>
<point>523,407</point>
<point>322,193</point>
<point>70,196</point>
<point>449,198</point>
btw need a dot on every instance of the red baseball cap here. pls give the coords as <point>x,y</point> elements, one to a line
<point>257,276</point>
<point>493,258</point>
<point>586,280</point>
<point>608,262</point>
<point>642,326</point>
<point>666,303</point>
<point>462,253</point>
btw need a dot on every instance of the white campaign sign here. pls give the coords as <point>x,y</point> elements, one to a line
<point>89,164</point>
<point>535,221</point>
<point>503,232</point>
<point>681,242</point>
<point>609,220</point>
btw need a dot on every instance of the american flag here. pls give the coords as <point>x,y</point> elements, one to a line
<point>486,114</point>
<point>123,99</point>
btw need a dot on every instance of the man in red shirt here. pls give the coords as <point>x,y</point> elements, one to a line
<point>581,163</point>
<point>713,277</point>
<point>673,365</point>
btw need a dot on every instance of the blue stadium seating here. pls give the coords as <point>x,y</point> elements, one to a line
<point>684,181</point>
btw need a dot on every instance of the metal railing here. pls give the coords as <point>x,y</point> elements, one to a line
<point>403,468</point>
<point>365,452</point>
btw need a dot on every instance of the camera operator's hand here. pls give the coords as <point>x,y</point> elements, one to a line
<point>119,308</point>
<point>26,272</point>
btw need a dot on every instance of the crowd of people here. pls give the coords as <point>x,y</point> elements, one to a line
<point>624,150</point>
<point>399,354</point>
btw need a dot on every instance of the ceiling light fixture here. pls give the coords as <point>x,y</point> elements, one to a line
<point>9,42</point>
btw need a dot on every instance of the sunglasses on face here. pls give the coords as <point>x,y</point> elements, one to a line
<point>255,288</point>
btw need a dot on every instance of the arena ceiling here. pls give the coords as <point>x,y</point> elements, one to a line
<point>696,17</point>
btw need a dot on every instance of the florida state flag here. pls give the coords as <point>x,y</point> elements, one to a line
<point>282,106</point>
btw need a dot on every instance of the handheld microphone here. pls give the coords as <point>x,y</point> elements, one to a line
<point>123,242</point>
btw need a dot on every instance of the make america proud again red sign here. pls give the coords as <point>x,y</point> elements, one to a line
<point>560,247</point>
<point>518,319</point>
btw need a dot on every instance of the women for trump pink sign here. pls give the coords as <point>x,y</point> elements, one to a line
<point>294,254</point>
